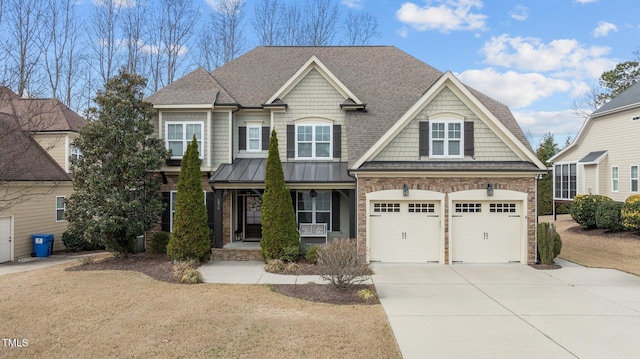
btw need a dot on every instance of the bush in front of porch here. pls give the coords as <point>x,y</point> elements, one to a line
<point>279,226</point>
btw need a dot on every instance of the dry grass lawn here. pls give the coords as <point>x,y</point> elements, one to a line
<point>597,248</point>
<point>118,314</point>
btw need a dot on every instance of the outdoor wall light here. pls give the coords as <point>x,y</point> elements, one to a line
<point>405,190</point>
<point>313,193</point>
<point>489,190</point>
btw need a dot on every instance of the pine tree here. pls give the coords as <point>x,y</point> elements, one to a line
<point>279,226</point>
<point>116,191</point>
<point>191,237</point>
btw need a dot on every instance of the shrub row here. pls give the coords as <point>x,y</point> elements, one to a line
<point>596,211</point>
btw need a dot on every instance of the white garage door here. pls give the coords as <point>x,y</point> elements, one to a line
<point>486,231</point>
<point>5,239</point>
<point>404,231</point>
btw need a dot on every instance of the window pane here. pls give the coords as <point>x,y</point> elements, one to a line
<point>60,215</point>
<point>454,130</point>
<point>323,133</point>
<point>323,217</point>
<point>304,201</point>
<point>573,183</point>
<point>254,144</point>
<point>305,133</point>
<point>254,132</point>
<point>304,217</point>
<point>323,201</point>
<point>174,132</point>
<point>322,150</point>
<point>634,185</point>
<point>59,202</point>
<point>193,129</point>
<point>454,148</point>
<point>437,130</point>
<point>304,150</point>
<point>557,180</point>
<point>176,148</point>
<point>437,148</point>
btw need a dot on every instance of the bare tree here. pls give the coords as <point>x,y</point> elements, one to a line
<point>104,41</point>
<point>293,26</point>
<point>24,20</point>
<point>268,22</point>
<point>179,17</point>
<point>586,103</point>
<point>321,17</point>
<point>360,28</point>
<point>208,54</point>
<point>133,24</point>
<point>227,25</point>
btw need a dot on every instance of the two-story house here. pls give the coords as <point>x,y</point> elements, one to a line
<point>35,155</point>
<point>375,144</point>
<point>603,159</point>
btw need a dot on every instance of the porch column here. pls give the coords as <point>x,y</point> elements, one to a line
<point>217,218</point>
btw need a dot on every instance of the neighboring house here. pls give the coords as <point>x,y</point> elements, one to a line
<point>375,145</point>
<point>35,154</point>
<point>604,158</point>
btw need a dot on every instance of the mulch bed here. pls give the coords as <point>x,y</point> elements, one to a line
<point>158,266</point>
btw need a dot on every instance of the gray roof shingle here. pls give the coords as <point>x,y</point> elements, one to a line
<point>629,97</point>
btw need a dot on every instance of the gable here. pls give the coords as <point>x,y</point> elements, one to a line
<point>491,128</point>
<point>488,146</point>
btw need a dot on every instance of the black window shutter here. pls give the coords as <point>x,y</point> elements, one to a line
<point>468,139</point>
<point>166,212</point>
<point>266,134</point>
<point>337,141</point>
<point>424,138</point>
<point>335,211</point>
<point>210,208</point>
<point>291,141</point>
<point>242,138</point>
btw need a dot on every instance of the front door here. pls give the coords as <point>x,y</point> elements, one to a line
<point>5,239</point>
<point>253,218</point>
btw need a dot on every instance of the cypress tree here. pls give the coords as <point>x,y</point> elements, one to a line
<point>279,226</point>
<point>190,238</point>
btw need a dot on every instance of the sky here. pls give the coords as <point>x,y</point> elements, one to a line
<point>536,56</point>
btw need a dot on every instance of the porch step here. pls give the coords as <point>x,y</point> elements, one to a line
<point>219,254</point>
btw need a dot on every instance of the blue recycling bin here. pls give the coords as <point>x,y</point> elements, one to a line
<point>42,243</point>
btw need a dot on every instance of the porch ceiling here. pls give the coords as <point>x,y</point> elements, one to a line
<point>251,171</point>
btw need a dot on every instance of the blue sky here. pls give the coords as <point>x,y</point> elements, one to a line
<point>536,56</point>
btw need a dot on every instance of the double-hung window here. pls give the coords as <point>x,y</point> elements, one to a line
<point>565,181</point>
<point>615,179</point>
<point>180,134</point>
<point>60,208</point>
<point>75,153</point>
<point>446,139</point>
<point>313,141</point>
<point>254,138</point>
<point>314,207</point>
<point>634,178</point>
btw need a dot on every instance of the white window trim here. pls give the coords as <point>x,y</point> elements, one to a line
<point>636,179</point>
<point>568,189</point>
<point>615,180</point>
<point>63,209</point>
<point>185,141</point>
<point>313,140</point>
<point>314,210</point>
<point>446,138</point>
<point>248,140</point>
<point>75,151</point>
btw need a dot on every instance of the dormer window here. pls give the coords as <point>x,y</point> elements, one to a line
<point>446,139</point>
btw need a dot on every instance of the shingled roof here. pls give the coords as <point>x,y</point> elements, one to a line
<point>40,115</point>
<point>22,159</point>
<point>196,88</point>
<point>630,97</point>
<point>386,79</point>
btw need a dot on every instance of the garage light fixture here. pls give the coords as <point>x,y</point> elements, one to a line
<point>489,190</point>
<point>405,190</point>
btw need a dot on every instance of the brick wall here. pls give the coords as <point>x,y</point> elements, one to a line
<point>448,185</point>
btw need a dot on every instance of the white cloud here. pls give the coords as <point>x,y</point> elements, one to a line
<point>121,3</point>
<point>603,29</point>
<point>561,124</point>
<point>585,1</point>
<point>449,15</point>
<point>520,13</point>
<point>354,4</point>
<point>563,57</point>
<point>511,88</point>
<point>402,32</point>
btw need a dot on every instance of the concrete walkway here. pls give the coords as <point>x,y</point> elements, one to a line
<point>510,311</point>
<point>32,263</point>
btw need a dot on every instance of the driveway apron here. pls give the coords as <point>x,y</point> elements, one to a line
<point>510,310</point>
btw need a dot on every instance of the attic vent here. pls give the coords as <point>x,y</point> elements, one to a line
<point>637,118</point>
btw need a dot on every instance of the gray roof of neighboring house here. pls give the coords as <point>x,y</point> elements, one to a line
<point>40,115</point>
<point>388,80</point>
<point>22,159</point>
<point>629,97</point>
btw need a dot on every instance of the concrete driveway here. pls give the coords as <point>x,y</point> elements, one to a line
<point>510,311</point>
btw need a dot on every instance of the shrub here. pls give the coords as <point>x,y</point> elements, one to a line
<point>608,216</point>
<point>192,276</point>
<point>631,213</point>
<point>74,241</point>
<point>291,253</point>
<point>584,206</point>
<point>549,242</point>
<point>312,255</point>
<point>339,263</point>
<point>274,266</point>
<point>292,267</point>
<point>367,294</point>
<point>180,269</point>
<point>159,242</point>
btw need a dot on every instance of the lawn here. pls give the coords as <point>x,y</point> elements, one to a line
<point>121,314</point>
<point>597,248</point>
